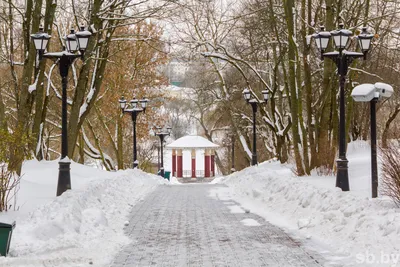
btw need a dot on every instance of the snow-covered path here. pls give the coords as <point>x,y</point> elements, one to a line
<point>190,225</point>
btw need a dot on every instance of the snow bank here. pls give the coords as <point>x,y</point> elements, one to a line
<point>354,226</point>
<point>173,180</point>
<point>84,226</point>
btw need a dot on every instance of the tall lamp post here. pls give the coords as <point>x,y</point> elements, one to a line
<point>372,93</point>
<point>134,111</point>
<point>74,42</point>
<point>343,59</point>
<point>233,152</point>
<point>254,104</point>
<point>158,154</point>
<point>162,134</point>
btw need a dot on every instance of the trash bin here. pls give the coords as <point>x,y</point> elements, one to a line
<point>5,237</point>
<point>167,175</point>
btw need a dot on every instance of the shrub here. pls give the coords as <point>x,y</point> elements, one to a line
<point>9,179</point>
<point>9,186</point>
<point>390,185</point>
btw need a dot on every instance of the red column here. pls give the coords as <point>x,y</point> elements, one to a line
<point>180,164</point>
<point>212,162</point>
<point>174,162</point>
<point>193,163</point>
<point>206,163</point>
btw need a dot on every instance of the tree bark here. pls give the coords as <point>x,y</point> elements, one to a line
<point>24,105</point>
<point>392,116</point>
<point>289,5</point>
<point>307,82</point>
<point>324,122</point>
<point>101,49</point>
<point>41,100</point>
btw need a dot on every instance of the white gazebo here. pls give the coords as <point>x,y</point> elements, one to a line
<point>193,143</point>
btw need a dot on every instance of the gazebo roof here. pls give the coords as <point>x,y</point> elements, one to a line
<point>191,141</point>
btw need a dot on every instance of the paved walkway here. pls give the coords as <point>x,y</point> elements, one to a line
<point>180,225</point>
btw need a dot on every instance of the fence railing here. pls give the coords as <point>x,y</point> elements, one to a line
<point>188,173</point>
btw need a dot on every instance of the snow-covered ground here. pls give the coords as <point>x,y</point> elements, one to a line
<point>349,228</point>
<point>84,226</point>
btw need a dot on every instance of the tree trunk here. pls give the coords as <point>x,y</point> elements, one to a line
<point>41,100</point>
<point>3,120</point>
<point>289,5</point>
<point>307,82</point>
<point>24,105</point>
<point>75,118</point>
<point>81,159</point>
<point>106,163</point>
<point>120,138</point>
<point>324,122</point>
<point>392,116</point>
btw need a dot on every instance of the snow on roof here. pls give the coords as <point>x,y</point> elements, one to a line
<point>191,141</point>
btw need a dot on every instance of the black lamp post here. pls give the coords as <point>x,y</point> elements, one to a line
<point>158,157</point>
<point>343,59</point>
<point>134,110</point>
<point>233,153</point>
<point>372,93</point>
<point>162,134</point>
<point>254,103</point>
<point>74,42</point>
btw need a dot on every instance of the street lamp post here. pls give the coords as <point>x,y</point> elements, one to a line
<point>343,59</point>
<point>158,154</point>
<point>254,104</point>
<point>233,152</point>
<point>162,134</point>
<point>372,93</point>
<point>74,42</point>
<point>134,111</point>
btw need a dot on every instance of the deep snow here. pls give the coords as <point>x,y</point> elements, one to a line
<point>82,227</point>
<point>349,228</point>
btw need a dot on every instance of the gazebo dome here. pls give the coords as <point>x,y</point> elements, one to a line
<point>191,142</point>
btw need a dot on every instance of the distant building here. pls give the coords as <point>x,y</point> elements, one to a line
<point>176,71</point>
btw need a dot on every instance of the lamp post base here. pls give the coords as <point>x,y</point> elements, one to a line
<point>135,164</point>
<point>64,177</point>
<point>162,172</point>
<point>342,175</point>
<point>254,160</point>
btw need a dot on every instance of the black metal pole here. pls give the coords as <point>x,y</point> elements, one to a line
<point>254,156</point>
<point>374,162</point>
<point>64,131</point>
<point>64,176</point>
<point>135,162</point>
<point>162,155</point>
<point>342,176</point>
<point>158,158</point>
<point>233,153</point>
